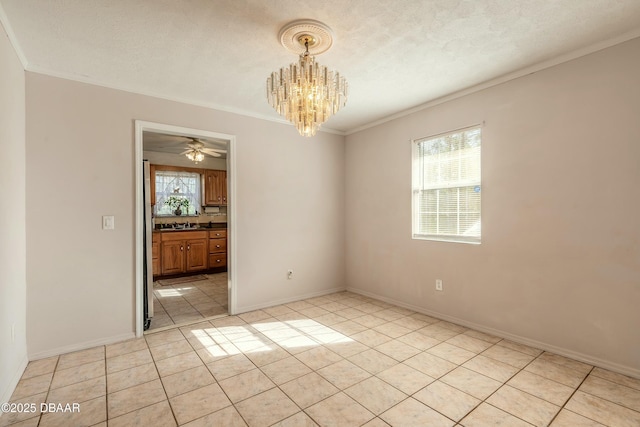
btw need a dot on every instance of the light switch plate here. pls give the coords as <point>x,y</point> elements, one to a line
<point>108,222</point>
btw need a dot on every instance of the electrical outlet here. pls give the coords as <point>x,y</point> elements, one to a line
<point>289,274</point>
<point>438,285</point>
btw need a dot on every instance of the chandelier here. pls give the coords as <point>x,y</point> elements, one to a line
<point>195,155</point>
<point>306,93</point>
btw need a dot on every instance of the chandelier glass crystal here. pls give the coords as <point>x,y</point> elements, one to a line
<point>306,93</point>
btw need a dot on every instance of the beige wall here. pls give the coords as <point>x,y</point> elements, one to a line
<point>80,151</point>
<point>13,285</point>
<point>559,263</point>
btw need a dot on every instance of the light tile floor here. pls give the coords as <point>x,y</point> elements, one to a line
<point>337,360</point>
<point>188,302</point>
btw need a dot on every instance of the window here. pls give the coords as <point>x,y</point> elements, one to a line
<point>446,186</point>
<point>180,184</point>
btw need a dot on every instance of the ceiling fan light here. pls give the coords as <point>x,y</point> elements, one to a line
<point>195,155</point>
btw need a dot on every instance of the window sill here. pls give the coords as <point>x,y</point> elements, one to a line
<point>448,239</point>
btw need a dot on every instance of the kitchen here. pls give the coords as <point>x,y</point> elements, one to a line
<point>186,217</point>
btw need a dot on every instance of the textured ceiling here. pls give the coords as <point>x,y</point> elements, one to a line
<point>396,55</point>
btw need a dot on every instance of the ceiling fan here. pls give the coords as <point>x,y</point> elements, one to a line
<point>197,150</point>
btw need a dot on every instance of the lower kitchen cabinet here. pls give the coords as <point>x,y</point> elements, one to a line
<point>155,254</point>
<point>218,248</point>
<point>184,251</point>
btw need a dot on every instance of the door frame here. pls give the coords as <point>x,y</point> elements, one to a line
<point>140,127</point>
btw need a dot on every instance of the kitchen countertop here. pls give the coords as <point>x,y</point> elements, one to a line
<point>214,226</point>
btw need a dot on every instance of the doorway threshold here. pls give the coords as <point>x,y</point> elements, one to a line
<point>182,324</point>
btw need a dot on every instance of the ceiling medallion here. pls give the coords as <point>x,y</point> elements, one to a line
<point>306,93</point>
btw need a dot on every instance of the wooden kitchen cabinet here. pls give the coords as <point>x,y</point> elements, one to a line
<point>155,254</point>
<point>184,252</point>
<point>218,248</point>
<point>215,187</point>
<point>173,257</point>
<point>196,254</point>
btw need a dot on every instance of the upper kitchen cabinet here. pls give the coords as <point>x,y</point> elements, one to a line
<point>215,187</point>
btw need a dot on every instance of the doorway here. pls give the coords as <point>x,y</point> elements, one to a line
<point>196,292</point>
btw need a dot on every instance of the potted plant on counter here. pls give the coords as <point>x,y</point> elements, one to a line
<point>176,203</point>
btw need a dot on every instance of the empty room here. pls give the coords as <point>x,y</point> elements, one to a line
<point>340,213</point>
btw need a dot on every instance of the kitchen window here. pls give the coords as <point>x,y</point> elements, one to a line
<point>180,184</point>
<point>446,186</point>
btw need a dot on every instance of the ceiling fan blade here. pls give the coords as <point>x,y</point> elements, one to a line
<point>213,151</point>
<point>186,151</point>
<point>212,154</point>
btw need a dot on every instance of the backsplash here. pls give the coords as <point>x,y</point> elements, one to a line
<point>203,218</point>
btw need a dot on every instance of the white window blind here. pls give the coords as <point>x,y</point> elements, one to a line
<point>181,184</point>
<point>446,186</point>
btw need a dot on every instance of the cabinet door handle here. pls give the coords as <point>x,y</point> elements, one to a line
<point>182,248</point>
<point>218,260</point>
<point>188,247</point>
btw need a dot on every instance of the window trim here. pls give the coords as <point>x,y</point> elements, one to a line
<point>415,168</point>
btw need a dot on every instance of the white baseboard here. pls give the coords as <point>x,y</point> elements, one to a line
<point>81,346</point>
<point>288,300</point>
<point>6,394</point>
<point>605,364</point>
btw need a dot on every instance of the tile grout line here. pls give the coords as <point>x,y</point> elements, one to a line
<point>572,394</point>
